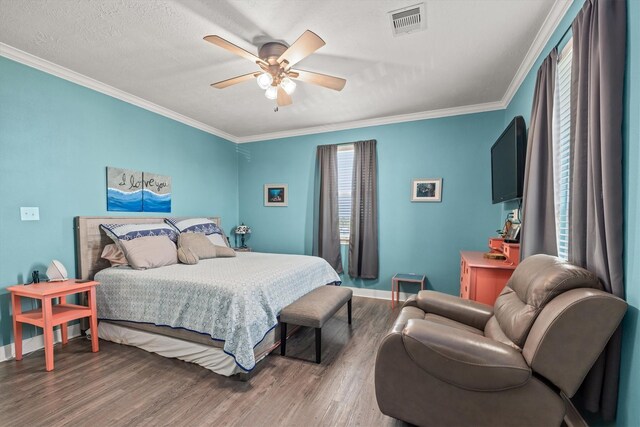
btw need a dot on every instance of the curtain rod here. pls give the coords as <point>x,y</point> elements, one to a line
<point>563,36</point>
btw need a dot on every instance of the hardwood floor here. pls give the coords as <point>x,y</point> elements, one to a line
<point>123,385</point>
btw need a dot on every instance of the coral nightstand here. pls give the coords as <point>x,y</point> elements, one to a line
<point>51,314</point>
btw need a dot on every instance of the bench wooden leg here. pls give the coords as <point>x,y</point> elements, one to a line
<point>349,310</point>
<point>318,344</point>
<point>283,338</point>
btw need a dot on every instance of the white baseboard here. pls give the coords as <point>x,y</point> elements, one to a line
<point>32,344</point>
<point>377,293</point>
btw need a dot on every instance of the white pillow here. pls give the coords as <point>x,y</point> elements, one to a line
<point>121,232</point>
<point>200,225</point>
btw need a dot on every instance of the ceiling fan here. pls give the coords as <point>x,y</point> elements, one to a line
<point>276,59</point>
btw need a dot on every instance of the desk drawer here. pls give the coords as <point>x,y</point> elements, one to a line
<point>465,279</point>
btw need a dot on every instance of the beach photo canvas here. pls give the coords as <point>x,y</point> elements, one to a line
<point>156,192</point>
<point>124,190</point>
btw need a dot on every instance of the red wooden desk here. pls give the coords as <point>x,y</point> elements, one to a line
<point>51,315</point>
<point>483,279</point>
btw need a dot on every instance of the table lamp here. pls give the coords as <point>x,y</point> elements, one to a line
<point>242,230</point>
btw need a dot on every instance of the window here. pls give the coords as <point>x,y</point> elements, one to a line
<point>345,179</point>
<point>561,149</point>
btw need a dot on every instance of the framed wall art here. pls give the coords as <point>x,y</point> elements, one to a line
<point>276,195</point>
<point>426,190</point>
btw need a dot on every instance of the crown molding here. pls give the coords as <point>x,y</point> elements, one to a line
<point>48,67</point>
<point>553,19</point>
<point>402,118</point>
<point>549,26</point>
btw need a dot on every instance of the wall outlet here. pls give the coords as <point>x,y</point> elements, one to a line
<point>30,214</point>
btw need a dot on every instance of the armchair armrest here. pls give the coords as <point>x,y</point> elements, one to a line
<point>464,359</point>
<point>412,301</point>
<point>465,311</point>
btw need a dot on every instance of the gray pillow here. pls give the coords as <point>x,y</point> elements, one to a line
<point>198,243</point>
<point>186,256</point>
<point>224,252</point>
<point>149,252</point>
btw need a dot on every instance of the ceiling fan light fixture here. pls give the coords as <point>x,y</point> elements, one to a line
<point>264,80</point>
<point>288,85</point>
<point>271,92</point>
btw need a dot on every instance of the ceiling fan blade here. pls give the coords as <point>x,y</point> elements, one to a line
<point>306,44</point>
<point>234,80</point>
<point>283,98</point>
<point>219,41</point>
<point>335,83</point>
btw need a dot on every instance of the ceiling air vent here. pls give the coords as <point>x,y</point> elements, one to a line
<point>408,19</point>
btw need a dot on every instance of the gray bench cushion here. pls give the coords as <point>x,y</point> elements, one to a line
<point>316,307</point>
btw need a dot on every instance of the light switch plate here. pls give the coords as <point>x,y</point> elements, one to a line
<point>30,214</point>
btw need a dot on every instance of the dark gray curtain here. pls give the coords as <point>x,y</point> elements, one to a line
<point>363,241</point>
<point>595,210</point>
<point>327,236</point>
<point>538,233</point>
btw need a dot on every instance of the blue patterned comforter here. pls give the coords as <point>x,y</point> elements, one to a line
<point>235,300</point>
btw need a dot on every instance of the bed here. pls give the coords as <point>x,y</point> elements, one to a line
<point>220,313</point>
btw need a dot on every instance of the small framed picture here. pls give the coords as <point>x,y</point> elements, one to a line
<point>426,190</point>
<point>276,195</point>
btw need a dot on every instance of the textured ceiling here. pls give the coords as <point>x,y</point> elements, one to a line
<point>468,55</point>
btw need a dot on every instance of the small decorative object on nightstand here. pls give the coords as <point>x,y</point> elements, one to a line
<point>242,230</point>
<point>409,278</point>
<point>50,314</point>
<point>245,249</point>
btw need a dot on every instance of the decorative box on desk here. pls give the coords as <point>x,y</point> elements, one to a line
<point>510,250</point>
<point>482,279</point>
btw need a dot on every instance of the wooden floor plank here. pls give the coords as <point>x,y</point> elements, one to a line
<point>126,386</point>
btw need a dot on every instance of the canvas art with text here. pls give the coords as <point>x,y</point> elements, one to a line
<point>134,191</point>
<point>124,190</point>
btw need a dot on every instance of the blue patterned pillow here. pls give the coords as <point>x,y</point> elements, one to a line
<point>118,232</point>
<point>194,225</point>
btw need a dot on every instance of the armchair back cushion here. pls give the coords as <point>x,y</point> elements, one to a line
<point>537,280</point>
<point>569,335</point>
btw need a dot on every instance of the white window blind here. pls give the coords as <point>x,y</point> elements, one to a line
<point>562,149</point>
<point>345,178</point>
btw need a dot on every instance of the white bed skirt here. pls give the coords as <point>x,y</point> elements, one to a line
<point>212,358</point>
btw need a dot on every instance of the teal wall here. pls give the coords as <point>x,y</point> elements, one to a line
<point>414,237</point>
<point>56,140</point>
<point>628,408</point>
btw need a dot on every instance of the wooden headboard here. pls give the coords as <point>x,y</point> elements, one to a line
<point>91,240</point>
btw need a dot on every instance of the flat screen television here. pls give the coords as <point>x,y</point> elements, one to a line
<point>507,162</point>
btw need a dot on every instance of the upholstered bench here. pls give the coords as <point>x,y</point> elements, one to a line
<point>313,310</point>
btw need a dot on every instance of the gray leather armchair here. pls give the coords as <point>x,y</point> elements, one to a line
<point>449,361</point>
